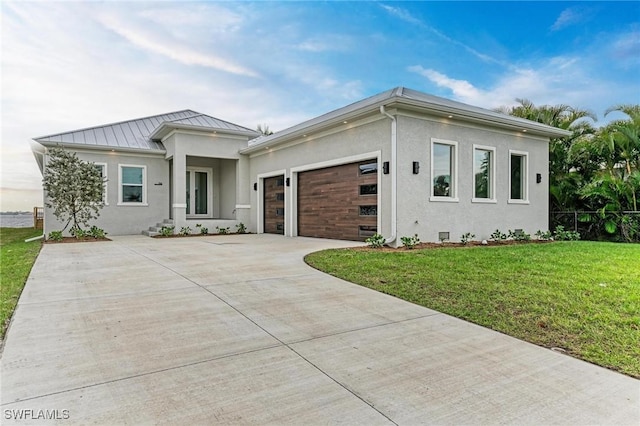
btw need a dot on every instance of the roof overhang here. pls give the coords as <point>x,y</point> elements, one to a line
<point>443,108</point>
<point>166,128</point>
<point>105,148</point>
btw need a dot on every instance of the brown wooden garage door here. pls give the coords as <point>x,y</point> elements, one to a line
<point>339,202</point>
<point>274,205</point>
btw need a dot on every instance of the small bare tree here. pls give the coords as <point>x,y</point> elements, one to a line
<point>74,189</point>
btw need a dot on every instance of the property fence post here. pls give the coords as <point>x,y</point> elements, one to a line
<point>575,220</point>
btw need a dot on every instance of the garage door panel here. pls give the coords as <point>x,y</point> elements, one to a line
<point>274,205</point>
<point>329,202</point>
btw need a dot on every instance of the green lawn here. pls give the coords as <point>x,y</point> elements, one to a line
<point>583,297</point>
<point>16,260</point>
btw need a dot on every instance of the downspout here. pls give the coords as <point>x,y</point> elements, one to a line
<point>394,176</point>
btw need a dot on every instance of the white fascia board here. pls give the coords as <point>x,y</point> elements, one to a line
<point>165,128</point>
<point>103,148</point>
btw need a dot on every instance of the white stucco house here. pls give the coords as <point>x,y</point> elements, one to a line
<point>399,163</point>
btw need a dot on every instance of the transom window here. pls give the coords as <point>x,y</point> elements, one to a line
<point>369,168</point>
<point>370,189</point>
<point>368,210</point>
<point>132,188</point>
<point>483,173</point>
<point>444,172</point>
<point>518,184</point>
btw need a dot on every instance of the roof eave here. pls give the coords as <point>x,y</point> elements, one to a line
<point>509,122</point>
<point>165,128</point>
<point>75,146</point>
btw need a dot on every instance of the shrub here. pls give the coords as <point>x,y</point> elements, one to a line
<point>544,236</point>
<point>519,235</point>
<point>466,237</point>
<point>223,231</point>
<point>79,233</point>
<point>185,230</point>
<point>55,236</point>
<point>203,230</point>
<point>410,242</point>
<point>375,241</point>
<point>498,236</point>
<point>97,233</point>
<point>560,234</point>
<point>166,231</point>
<point>242,229</point>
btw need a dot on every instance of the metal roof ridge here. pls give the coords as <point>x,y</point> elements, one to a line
<point>113,124</point>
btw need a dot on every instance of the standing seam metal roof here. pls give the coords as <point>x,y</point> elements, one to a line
<point>135,134</point>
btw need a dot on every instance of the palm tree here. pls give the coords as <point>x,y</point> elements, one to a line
<point>264,129</point>
<point>564,182</point>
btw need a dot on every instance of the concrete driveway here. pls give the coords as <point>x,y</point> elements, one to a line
<point>238,330</point>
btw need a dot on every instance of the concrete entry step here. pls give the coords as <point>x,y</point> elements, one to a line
<point>152,231</point>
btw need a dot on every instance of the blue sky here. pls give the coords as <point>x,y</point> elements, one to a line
<point>68,65</point>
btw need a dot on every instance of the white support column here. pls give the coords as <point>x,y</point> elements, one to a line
<point>179,206</point>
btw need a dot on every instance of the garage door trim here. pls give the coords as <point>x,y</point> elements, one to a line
<point>292,221</point>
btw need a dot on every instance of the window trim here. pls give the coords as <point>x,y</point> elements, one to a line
<point>525,176</point>
<point>144,202</point>
<point>454,198</point>
<point>105,198</point>
<point>492,175</point>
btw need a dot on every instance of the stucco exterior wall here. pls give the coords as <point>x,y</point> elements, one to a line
<point>418,214</point>
<point>372,135</point>
<point>125,220</point>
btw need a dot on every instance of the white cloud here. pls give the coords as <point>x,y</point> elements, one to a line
<point>558,80</point>
<point>155,41</point>
<point>407,17</point>
<point>572,16</point>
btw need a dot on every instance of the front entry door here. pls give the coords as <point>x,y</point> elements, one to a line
<point>199,192</point>
<point>274,205</point>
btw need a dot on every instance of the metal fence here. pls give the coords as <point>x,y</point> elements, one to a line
<point>593,225</point>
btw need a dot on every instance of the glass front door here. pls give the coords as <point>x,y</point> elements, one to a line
<point>198,193</point>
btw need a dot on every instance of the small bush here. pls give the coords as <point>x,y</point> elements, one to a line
<point>519,236</point>
<point>79,233</point>
<point>498,236</point>
<point>560,234</point>
<point>185,230</point>
<point>55,236</point>
<point>203,230</point>
<point>241,228</point>
<point>466,237</point>
<point>166,231</point>
<point>410,242</point>
<point>544,236</point>
<point>375,241</point>
<point>97,233</point>
<point>223,231</point>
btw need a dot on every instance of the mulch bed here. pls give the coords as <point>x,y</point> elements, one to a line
<point>66,240</point>
<point>421,246</point>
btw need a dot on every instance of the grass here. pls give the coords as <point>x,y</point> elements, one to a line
<point>16,260</point>
<point>583,297</point>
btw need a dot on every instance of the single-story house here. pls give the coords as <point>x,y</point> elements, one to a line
<point>398,163</point>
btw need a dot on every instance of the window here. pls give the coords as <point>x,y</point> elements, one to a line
<point>280,182</point>
<point>133,185</point>
<point>483,173</point>
<point>369,168</point>
<point>102,168</point>
<point>367,230</point>
<point>518,162</point>
<point>279,211</point>
<point>368,210</point>
<point>444,170</point>
<point>280,196</point>
<point>371,189</point>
